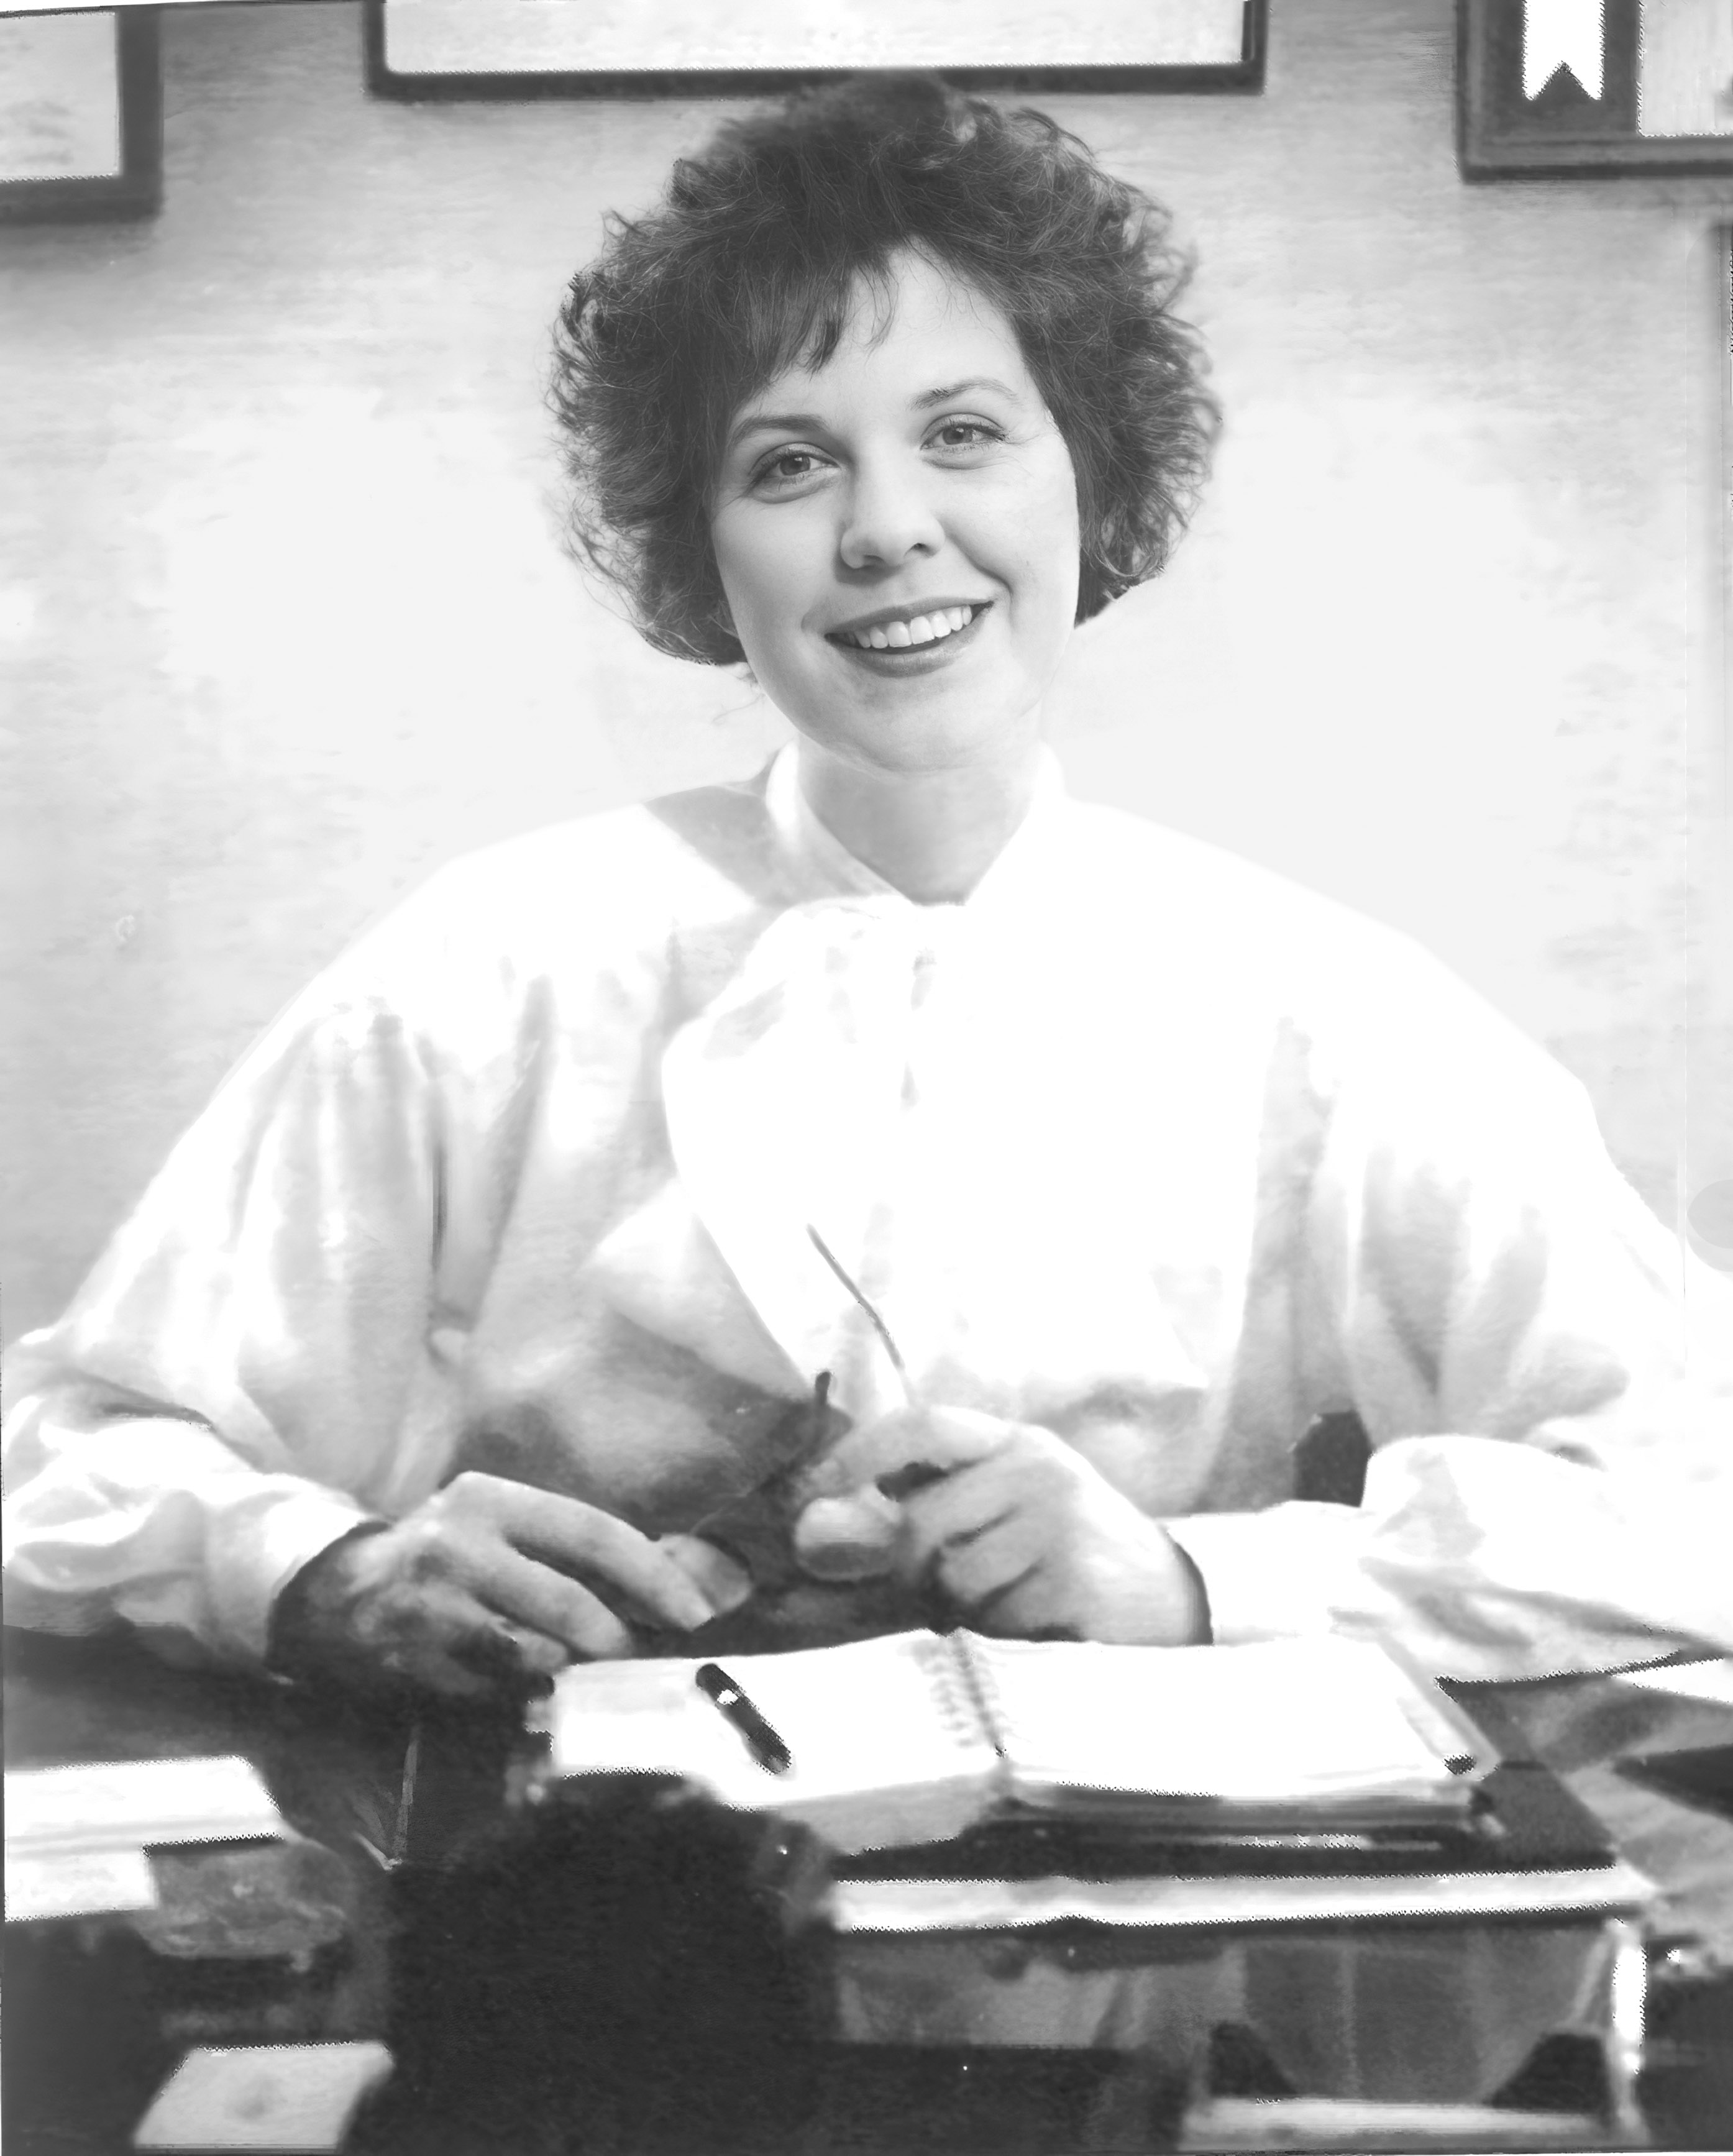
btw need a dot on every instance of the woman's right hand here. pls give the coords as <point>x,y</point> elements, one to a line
<point>489,1585</point>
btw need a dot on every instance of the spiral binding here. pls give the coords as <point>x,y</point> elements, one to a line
<point>964,1688</point>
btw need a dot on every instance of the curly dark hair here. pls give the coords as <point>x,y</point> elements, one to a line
<point>751,263</point>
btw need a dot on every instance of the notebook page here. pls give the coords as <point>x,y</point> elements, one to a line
<point>137,1802</point>
<point>886,1746</point>
<point>44,1883</point>
<point>1263,1723</point>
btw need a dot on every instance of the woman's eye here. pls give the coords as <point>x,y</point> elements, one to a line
<point>965,434</point>
<point>787,468</point>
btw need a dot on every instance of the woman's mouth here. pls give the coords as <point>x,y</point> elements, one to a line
<point>912,633</point>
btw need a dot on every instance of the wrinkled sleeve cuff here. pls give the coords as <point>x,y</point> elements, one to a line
<point>1274,1574</point>
<point>260,1549</point>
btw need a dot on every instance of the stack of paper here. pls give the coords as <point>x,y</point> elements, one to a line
<point>77,1836</point>
<point>1327,1730</point>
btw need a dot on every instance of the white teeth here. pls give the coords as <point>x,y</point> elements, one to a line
<point>923,628</point>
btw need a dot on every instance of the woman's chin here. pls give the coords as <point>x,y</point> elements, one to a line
<point>913,739</point>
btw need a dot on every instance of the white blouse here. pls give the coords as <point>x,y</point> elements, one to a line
<point>1139,1142</point>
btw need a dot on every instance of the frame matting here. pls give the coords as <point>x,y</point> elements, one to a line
<point>802,40</point>
<point>1563,130</point>
<point>128,79</point>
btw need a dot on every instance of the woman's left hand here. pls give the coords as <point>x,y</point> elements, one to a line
<point>1021,1534</point>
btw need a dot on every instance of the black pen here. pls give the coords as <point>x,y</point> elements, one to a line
<point>761,1741</point>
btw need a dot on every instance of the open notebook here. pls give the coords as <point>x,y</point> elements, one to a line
<point>914,1738</point>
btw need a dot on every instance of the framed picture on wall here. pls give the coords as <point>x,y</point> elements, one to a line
<point>80,116</point>
<point>505,49</point>
<point>1574,87</point>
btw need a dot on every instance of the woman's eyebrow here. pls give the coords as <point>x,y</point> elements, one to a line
<point>778,423</point>
<point>809,423</point>
<point>931,396</point>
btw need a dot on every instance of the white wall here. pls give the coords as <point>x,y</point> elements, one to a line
<point>286,621</point>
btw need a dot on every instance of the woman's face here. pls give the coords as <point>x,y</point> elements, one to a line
<point>897,533</point>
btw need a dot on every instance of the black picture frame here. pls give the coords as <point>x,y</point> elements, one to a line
<point>1563,133</point>
<point>1244,76</point>
<point>136,190</point>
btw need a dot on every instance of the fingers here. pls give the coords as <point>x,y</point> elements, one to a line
<point>720,1576</point>
<point>595,1545</point>
<point>977,1572</point>
<point>588,1546</point>
<point>511,1656</point>
<point>848,1539</point>
<point>437,1634</point>
<point>1007,1580</point>
<point>564,1611</point>
<point>488,1661</point>
<point>952,1512</point>
<point>860,1502</point>
<point>1015,1541</point>
<point>491,1583</point>
<point>1032,1474</point>
<point>938,1439</point>
<point>893,1496</point>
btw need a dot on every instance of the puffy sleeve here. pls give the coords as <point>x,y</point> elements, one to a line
<point>231,1388</point>
<point>1544,1375</point>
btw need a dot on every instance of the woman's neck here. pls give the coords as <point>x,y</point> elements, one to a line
<point>931,834</point>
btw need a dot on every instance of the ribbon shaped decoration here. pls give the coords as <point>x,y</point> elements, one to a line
<point>1563,33</point>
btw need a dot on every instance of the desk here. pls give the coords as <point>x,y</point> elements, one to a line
<point>68,1701</point>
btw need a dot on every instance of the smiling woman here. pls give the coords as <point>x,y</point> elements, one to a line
<point>486,1320</point>
<point>766,249</point>
<point>885,358</point>
<point>899,559</point>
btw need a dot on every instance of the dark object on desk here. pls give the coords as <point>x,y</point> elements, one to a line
<point>594,1964</point>
<point>1330,1460</point>
<point>1687,2080</point>
<point>1703,1778</point>
<point>85,2042</point>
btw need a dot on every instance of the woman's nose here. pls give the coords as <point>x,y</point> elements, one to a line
<point>888,516</point>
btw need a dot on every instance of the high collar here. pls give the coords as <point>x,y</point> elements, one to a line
<point>826,869</point>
